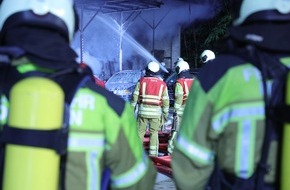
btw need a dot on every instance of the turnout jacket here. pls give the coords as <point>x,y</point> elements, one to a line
<point>224,118</point>
<point>151,94</point>
<point>182,87</point>
<point>102,135</point>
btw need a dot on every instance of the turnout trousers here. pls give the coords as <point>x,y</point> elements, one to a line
<point>154,125</point>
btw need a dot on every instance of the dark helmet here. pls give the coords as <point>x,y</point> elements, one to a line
<point>246,11</point>
<point>58,15</point>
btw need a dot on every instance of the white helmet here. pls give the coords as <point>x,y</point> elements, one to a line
<point>272,10</point>
<point>181,66</point>
<point>56,15</point>
<point>207,55</point>
<point>153,68</point>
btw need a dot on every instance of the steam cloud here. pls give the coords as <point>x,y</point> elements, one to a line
<point>101,38</point>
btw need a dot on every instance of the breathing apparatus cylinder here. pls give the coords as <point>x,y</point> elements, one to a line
<point>285,165</point>
<point>35,103</point>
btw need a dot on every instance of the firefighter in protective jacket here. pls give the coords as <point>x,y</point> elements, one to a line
<point>224,121</point>
<point>151,94</point>
<point>36,36</point>
<point>181,90</point>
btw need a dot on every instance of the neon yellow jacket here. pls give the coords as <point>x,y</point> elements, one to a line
<point>103,135</point>
<point>224,116</point>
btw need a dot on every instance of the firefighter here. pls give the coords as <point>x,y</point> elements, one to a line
<point>181,90</point>
<point>151,94</point>
<point>36,36</point>
<point>207,56</point>
<point>221,136</point>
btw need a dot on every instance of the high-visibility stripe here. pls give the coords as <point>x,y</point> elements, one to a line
<point>142,112</point>
<point>144,88</point>
<point>194,151</point>
<point>160,91</point>
<point>153,150</point>
<point>93,145</point>
<point>236,114</point>
<point>245,150</point>
<point>165,110</point>
<point>4,104</point>
<point>186,89</point>
<point>150,110</point>
<point>131,176</point>
<point>86,142</point>
<point>93,169</point>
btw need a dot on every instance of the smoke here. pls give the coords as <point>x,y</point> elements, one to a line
<point>91,61</point>
<point>106,39</point>
<point>172,16</point>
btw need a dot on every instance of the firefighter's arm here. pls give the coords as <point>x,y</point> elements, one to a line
<point>135,96</point>
<point>178,96</point>
<point>192,158</point>
<point>165,102</point>
<point>129,164</point>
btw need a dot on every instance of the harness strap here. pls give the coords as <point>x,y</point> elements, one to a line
<point>52,139</point>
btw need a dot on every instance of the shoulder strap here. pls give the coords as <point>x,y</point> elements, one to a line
<point>70,80</point>
<point>270,68</point>
<point>53,139</point>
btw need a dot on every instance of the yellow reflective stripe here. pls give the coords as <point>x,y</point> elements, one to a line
<point>166,109</point>
<point>165,97</point>
<point>194,151</point>
<point>151,97</point>
<point>24,68</point>
<point>86,142</point>
<point>152,109</point>
<point>186,89</point>
<point>160,91</point>
<point>149,110</point>
<point>136,92</point>
<point>133,104</point>
<point>177,105</point>
<point>132,176</point>
<point>144,88</point>
<point>180,110</point>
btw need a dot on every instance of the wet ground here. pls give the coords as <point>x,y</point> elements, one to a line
<point>164,182</point>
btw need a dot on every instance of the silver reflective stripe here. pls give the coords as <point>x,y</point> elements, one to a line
<point>94,171</point>
<point>195,151</point>
<point>132,176</point>
<point>236,114</point>
<point>150,110</point>
<point>153,150</point>
<point>3,109</point>
<point>85,142</point>
<point>245,150</point>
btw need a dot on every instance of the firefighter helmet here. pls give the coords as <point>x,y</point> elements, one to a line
<point>181,66</point>
<point>153,68</point>
<point>51,14</point>
<point>207,55</point>
<point>255,10</point>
